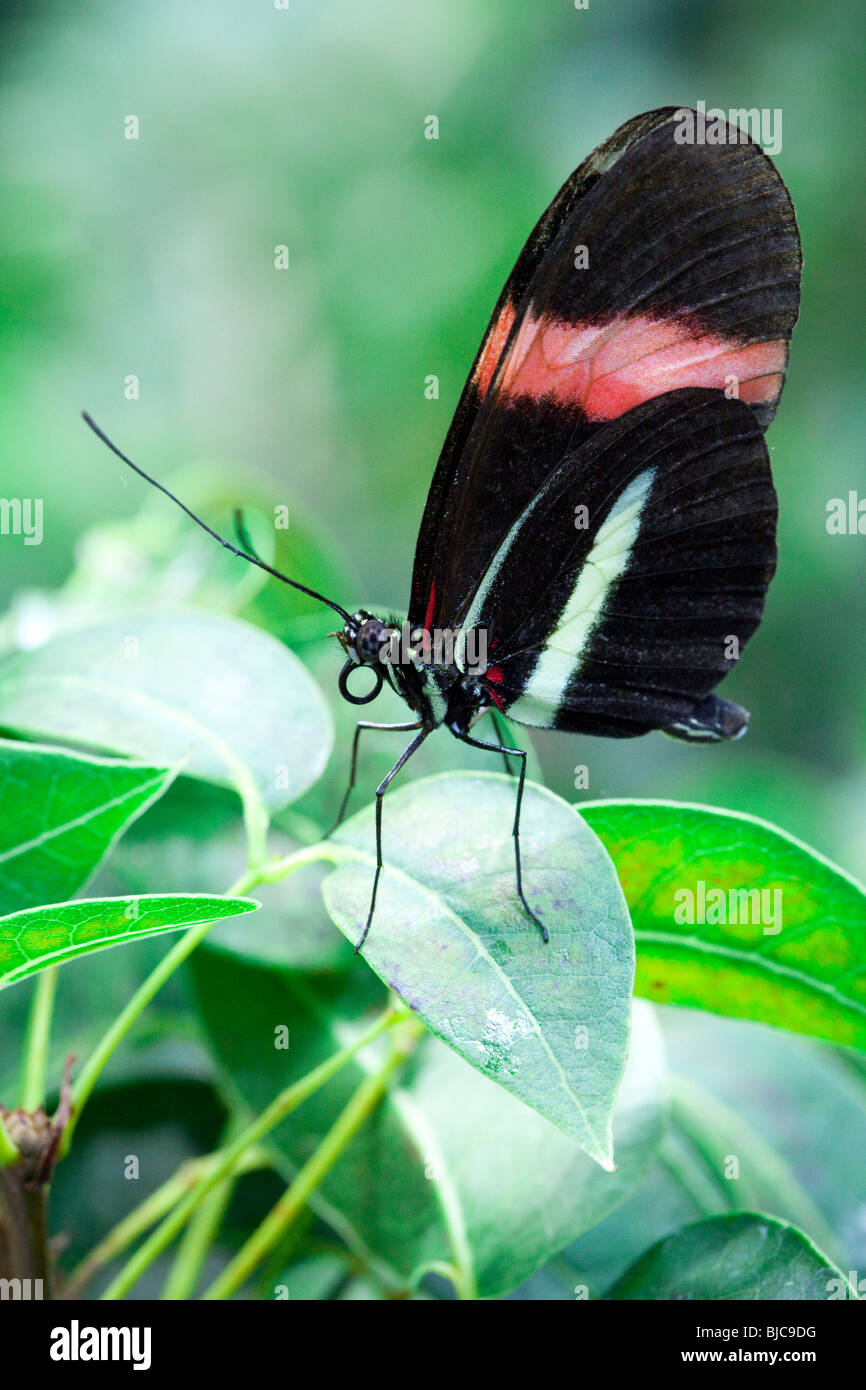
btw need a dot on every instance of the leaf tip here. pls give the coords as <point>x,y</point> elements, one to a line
<point>601,1152</point>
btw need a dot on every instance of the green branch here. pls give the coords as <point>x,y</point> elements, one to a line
<point>202,1231</point>
<point>117,1031</point>
<point>151,1210</point>
<point>268,872</point>
<point>9,1151</point>
<point>37,1040</point>
<point>281,1217</point>
<point>279,1108</point>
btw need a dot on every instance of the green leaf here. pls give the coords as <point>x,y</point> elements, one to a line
<point>42,936</point>
<point>741,1257</point>
<point>602,1254</point>
<point>791,1093</point>
<point>60,814</point>
<point>310,1280</point>
<point>186,844</point>
<point>91,992</point>
<point>173,685</point>
<point>808,977</point>
<point>451,1170</point>
<point>761,1181</point>
<point>192,841</point>
<point>713,1162</point>
<point>547,1022</point>
<point>526,1190</point>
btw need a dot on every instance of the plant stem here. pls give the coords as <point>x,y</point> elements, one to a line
<point>9,1152</point>
<point>148,1212</point>
<point>118,1030</point>
<point>260,873</point>
<point>37,1040</point>
<point>274,870</point>
<point>24,1211</point>
<point>227,1161</point>
<point>197,1240</point>
<point>202,1230</point>
<point>294,1199</point>
<point>278,1109</point>
<point>462,1278</point>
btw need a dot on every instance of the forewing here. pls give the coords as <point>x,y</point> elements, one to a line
<point>692,279</point>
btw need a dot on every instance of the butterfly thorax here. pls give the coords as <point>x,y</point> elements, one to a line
<point>436,690</point>
<point>437,694</point>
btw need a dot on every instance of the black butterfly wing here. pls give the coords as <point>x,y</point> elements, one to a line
<point>493,344</point>
<point>632,581</point>
<point>692,280</point>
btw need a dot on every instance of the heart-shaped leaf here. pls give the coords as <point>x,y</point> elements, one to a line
<point>60,813</point>
<point>32,940</point>
<point>547,1022</point>
<point>743,1256</point>
<point>734,916</point>
<point>171,685</point>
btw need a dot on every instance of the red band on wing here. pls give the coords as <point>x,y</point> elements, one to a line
<point>431,603</point>
<point>609,369</point>
<point>494,676</point>
<point>496,340</point>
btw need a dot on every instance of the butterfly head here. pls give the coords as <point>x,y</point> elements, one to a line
<point>365,640</point>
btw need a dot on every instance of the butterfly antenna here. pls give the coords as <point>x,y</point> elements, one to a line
<point>243,554</point>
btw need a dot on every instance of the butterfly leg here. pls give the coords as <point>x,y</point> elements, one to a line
<point>380,792</point>
<point>499,734</point>
<point>364,724</point>
<point>514,753</point>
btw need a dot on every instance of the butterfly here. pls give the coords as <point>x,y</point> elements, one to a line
<point>599,534</point>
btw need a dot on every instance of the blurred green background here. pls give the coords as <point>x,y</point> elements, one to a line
<point>304,127</point>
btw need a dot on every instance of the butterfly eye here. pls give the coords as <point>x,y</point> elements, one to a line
<point>343,683</point>
<point>370,639</point>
